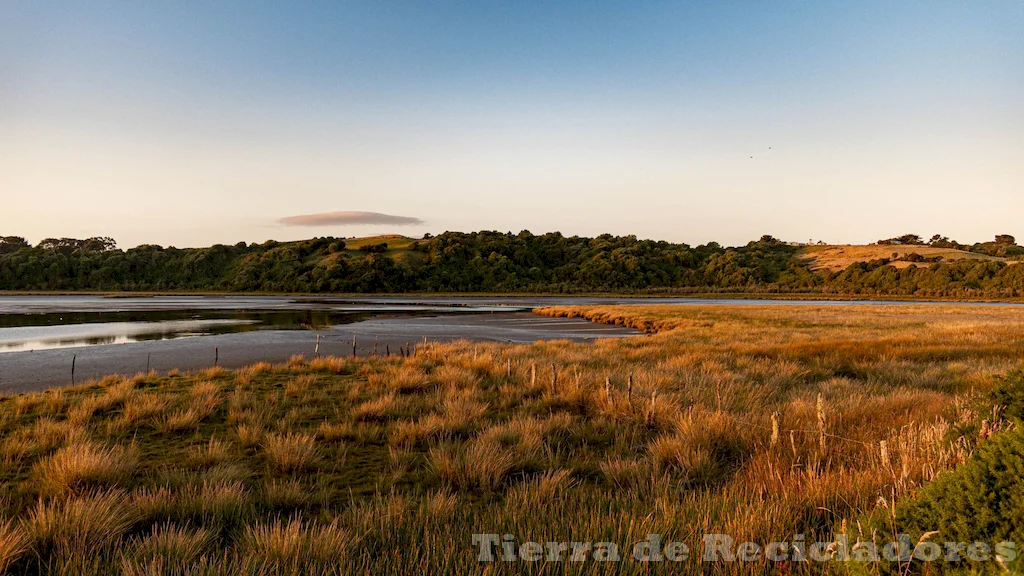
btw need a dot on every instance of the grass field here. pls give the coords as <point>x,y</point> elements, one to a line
<point>399,247</point>
<point>758,422</point>
<point>833,258</point>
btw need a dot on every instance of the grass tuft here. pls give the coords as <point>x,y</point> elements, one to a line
<point>84,466</point>
<point>290,452</point>
<point>14,543</point>
<point>294,548</point>
<point>73,528</point>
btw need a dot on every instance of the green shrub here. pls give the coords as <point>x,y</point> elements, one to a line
<point>980,501</point>
<point>1009,395</point>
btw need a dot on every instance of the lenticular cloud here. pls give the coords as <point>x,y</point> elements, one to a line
<point>351,218</point>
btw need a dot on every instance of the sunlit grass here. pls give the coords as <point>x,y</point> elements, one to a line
<point>756,422</point>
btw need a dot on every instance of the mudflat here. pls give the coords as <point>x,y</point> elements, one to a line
<point>37,370</point>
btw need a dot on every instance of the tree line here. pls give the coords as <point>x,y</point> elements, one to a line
<point>487,262</point>
<point>1004,245</point>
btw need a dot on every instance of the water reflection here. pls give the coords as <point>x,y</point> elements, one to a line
<point>61,330</point>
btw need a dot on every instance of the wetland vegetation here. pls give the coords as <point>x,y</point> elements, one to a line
<point>757,422</point>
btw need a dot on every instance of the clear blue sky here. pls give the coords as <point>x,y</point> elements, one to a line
<point>211,121</point>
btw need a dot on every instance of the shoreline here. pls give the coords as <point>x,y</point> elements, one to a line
<point>35,370</point>
<point>781,296</point>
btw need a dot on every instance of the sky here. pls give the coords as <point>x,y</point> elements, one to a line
<point>219,122</point>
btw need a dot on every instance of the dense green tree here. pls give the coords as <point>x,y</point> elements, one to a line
<point>911,239</point>
<point>490,262</point>
<point>10,244</point>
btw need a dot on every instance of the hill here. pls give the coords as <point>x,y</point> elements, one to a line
<point>833,258</point>
<point>396,242</point>
<point>400,248</point>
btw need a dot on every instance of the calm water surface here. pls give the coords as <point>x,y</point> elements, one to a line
<point>48,322</point>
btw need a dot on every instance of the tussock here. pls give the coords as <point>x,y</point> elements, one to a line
<point>172,548</point>
<point>84,466</point>
<point>14,543</point>
<point>294,547</point>
<point>290,452</point>
<point>74,528</point>
<point>378,410</point>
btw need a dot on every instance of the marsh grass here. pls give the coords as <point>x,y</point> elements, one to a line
<point>84,466</point>
<point>284,495</point>
<point>481,466</point>
<point>68,531</point>
<point>294,547</point>
<point>143,407</point>
<point>172,548</point>
<point>379,409</point>
<point>14,543</point>
<point>290,452</point>
<point>208,455</point>
<point>757,422</point>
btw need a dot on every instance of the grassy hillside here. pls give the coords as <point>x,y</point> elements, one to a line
<point>834,258</point>
<point>759,423</point>
<point>400,248</point>
<point>396,242</point>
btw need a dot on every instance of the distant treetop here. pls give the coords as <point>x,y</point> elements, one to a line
<point>908,239</point>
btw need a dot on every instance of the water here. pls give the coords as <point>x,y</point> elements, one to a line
<point>50,330</point>
<point>70,329</point>
<point>50,322</point>
<point>43,337</point>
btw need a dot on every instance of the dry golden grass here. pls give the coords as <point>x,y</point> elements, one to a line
<point>179,421</point>
<point>758,422</point>
<point>285,494</point>
<point>72,529</point>
<point>84,466</point>
<point>249,435</point>
<point>336,432</point>
<point>454,375</point>
<point>298,387</point>
<point>420,432</point>
<point>377,410</point>
<point>290,452</point>
<point>14,543</point>
<point>213,503</point>
<point>294,548</point>
<point>484,464</point>
<point>400,378</point>
<point>42,437</point>
<point>542,490</point>
<point>834,258</point>
<point>116,394</point>
<point>207,455</point>
<point>143,407</point>
<point>244,376</point>
<point>204,398</point>
<point>208,374</point>
<point>440,506</point>
<point>169,547</point>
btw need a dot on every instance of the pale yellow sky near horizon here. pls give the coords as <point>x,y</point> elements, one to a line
<point>218,185</point>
